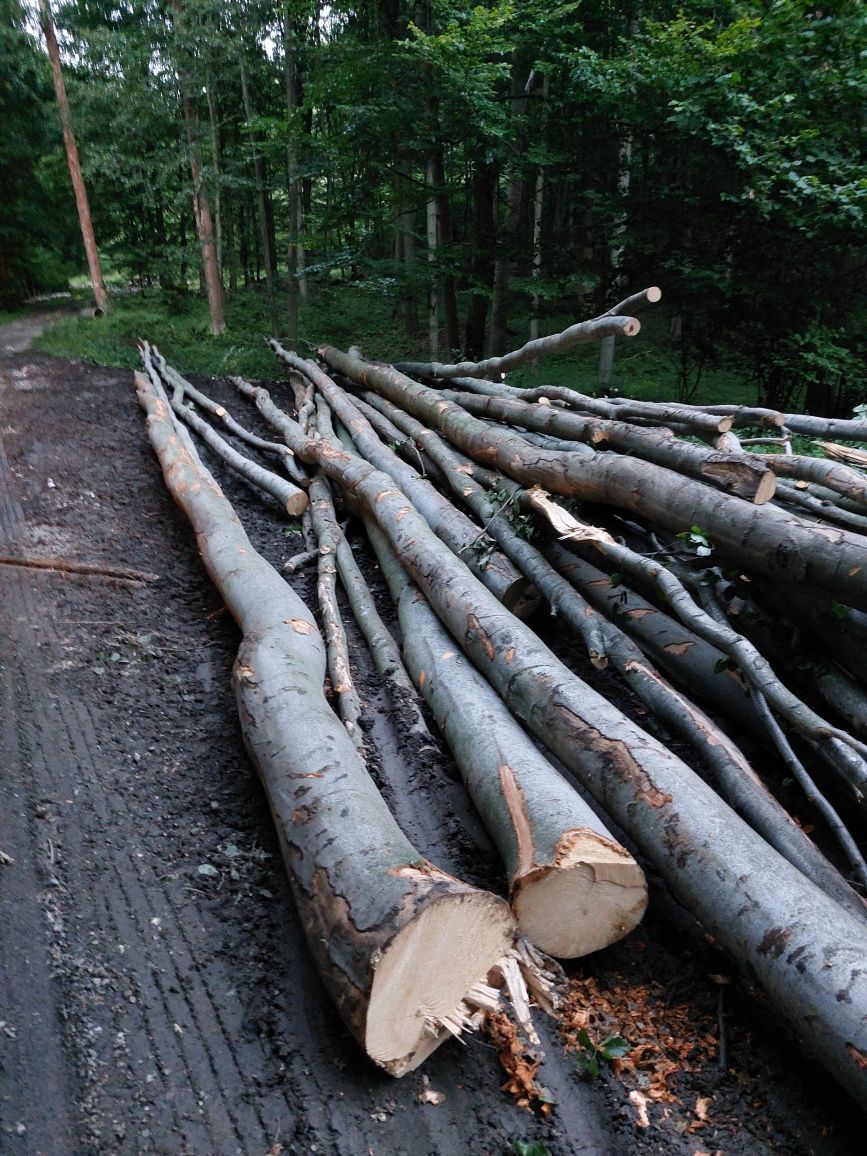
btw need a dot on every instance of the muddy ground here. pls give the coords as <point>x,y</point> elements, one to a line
<point>147,1005</point>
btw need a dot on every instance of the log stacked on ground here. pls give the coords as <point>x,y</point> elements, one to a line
<point>802,943</point>
<point>398,942</point>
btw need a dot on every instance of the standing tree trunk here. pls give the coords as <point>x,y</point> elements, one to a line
<point>217,160</point>
<point>433,327</point>
<point>444,232</point>
<point>296,257</point>
<point>538,204</point>
<point>405,240</point>
<point>261,193</point>
<point>482,259</point>
<point>515,182</point>
<point>76,176</point>
<point>201,204</point>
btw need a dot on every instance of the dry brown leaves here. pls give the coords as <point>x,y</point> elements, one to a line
<point>518,1061</point>
<point>664,1038</point>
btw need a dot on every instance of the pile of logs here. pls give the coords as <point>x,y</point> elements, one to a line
<point>724,586</point>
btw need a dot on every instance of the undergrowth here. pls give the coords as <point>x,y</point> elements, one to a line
<point>344,314</point>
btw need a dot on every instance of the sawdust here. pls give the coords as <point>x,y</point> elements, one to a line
<point>664,1039</point>
<point>519,1062</point>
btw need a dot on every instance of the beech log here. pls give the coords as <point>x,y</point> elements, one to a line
<point>573,888</point>
<point>176,381</point>
<point>764,539</point>
<point>801,947</point>
<point>607,326</point>
<point>398,942</point>
<point>736,474</point>
<point>458,531</point>
<point>841,479</point>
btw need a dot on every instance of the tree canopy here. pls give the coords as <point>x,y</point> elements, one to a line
<point>486,166</point>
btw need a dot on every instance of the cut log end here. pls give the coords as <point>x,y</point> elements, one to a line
<point>296,504</point>
<point>593,894</point>
<point>767,487</point>
<point>427,970</point>
<point>653,294</point>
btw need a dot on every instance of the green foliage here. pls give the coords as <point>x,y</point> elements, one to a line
<point>593,1056</point>
<point>177,322</point>
<point>34,224</point>
<point>529,1148</point>
<point>717,150</point>
<point>697,539</point>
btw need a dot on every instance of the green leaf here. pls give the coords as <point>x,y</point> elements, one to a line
<point>614,1047</point>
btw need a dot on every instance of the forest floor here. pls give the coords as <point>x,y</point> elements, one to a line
<point>148,1005</point>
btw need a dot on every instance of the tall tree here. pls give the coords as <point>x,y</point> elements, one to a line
<point>201,203</point>
<point>72,160</point>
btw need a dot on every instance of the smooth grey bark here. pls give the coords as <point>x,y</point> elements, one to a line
<point>397,941</point>
<point>761,538</point>
<point>794,942</point>
<point>573,888</point>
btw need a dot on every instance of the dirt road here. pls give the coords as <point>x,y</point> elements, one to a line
<point>155,991</point>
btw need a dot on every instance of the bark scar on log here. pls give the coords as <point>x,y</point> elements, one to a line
<point>298,625</point>
<point>774,941</point>
<point>482,635</point>
<point>514,797</point>
<point>645,789</point>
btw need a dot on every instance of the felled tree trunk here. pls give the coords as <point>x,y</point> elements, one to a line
<point>573,888</point>
<point>541,347</point>
<point>740,474</point>
<point>453,526</point>
<point>800,946</point>
<point>762,538</point>
<point>397,941</point>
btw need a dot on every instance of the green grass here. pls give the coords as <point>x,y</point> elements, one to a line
<point>342,314</point>
<point>178,324</point>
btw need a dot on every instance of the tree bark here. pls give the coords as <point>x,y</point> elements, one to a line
<point>397,941</point>
<point>261,193</point>
<point>458,531</point>
<point>217,159</point>
<point>793,941</point>
<point>433,325</point>
<point>605,640</point>
<point>201,204</point>
<point>75,174</point>
<point>545,346</point>
<point>573,888</point>
<point>734,473</point>
<point>481,268</point>
<point>296,257</point>
<point>758,537</point>
<point>292,499</point>
<point>174,379</point>
<point>507,234</point>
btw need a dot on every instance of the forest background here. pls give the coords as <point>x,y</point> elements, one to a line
<point>437,178</point>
